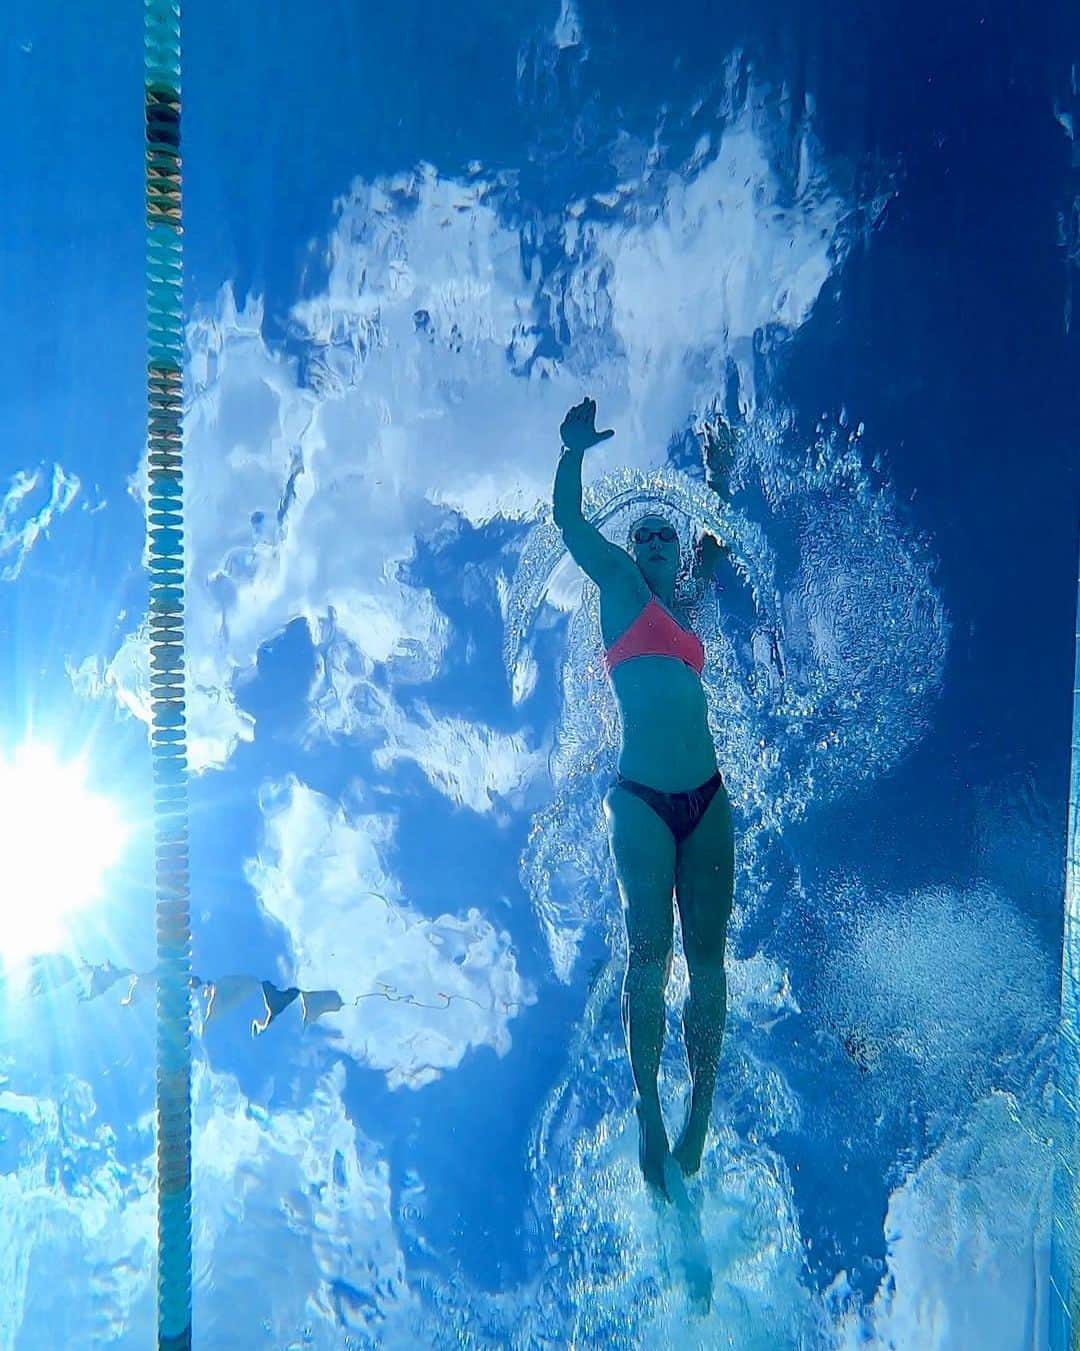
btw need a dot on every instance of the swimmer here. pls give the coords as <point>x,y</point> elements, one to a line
<point>668,813</point>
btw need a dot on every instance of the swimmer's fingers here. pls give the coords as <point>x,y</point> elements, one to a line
<point>717,441</point>
<point>579,426</point>
<point>599,436</point>
<point>709,547</point>
<point>715,434</point>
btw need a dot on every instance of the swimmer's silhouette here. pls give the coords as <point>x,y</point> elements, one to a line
<point>668,813</point>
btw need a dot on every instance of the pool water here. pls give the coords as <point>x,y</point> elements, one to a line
<point>413,238</point>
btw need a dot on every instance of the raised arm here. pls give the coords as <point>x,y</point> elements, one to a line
<point>717,452</point>
<point>597,557</point>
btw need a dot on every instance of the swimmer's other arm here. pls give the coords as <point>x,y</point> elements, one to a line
<point>717,440</point>
<point>709,557</point>
<point>596,556</point>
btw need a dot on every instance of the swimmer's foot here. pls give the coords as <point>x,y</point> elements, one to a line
<point>653,1149</point>
<point>687,1152</point>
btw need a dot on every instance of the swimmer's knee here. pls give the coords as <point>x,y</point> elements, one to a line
<point>647,967</point>
<point>706,966</point>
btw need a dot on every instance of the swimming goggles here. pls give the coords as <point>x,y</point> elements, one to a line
<point>642,536</point>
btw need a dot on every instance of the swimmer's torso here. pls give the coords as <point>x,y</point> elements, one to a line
<point>663,713</point>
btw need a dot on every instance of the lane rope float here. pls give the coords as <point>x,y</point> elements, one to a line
<point>168,738</point>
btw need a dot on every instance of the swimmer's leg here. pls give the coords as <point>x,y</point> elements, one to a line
<point>643,852</point>
<point>704,883</point>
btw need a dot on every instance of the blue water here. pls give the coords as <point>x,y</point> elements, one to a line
<point>415,236</point>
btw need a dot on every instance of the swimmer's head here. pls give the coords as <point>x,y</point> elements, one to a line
<point>653,544</point>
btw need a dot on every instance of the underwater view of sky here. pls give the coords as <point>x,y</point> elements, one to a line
<point>414,237</point>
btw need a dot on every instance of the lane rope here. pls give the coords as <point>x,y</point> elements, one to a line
<point>168,738</point>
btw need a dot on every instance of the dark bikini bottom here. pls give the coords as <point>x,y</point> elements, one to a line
<point>680,812</point>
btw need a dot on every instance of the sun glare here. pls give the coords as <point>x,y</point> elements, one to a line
<point>57,841</point>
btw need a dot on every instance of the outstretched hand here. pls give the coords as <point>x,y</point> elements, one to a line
<point>717,441</point>
<point>709,553</point>
<point>578,430</point>
<point>708,546</point>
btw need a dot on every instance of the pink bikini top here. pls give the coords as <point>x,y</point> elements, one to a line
<point>656,633</point>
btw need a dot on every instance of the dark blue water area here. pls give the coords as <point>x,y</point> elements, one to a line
<point>282,114</point>
<point>946,337</point>
<point>72,284</point>
<point>468,1144</point>
<point>460,573</point>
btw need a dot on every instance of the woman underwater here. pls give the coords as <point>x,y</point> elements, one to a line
<point>668,813</point>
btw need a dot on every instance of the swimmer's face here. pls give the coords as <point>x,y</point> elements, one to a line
<point>654,546</point>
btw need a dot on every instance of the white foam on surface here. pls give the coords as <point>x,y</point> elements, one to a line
<point>968,1242</point>
<point>472,765</point>
<point>294,1231</point>
<point>947,986</point>
<point>419,992</point>
<point>25,518</point>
